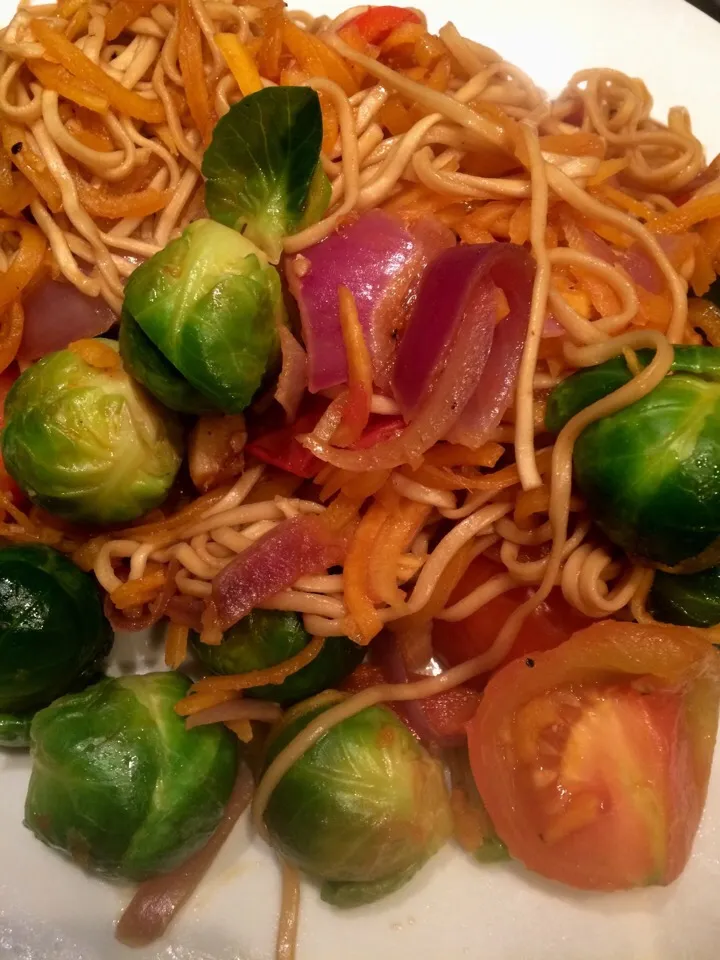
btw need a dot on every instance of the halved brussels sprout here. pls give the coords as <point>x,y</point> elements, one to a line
<point>87,443</point>
<point>363,809</point>
<point>118,783</point>
<point>53,633</point>
<point>208,305</point>
<point>650,474</point>
<point>691,599</point>
<point>262,169</point>
<point>266,637</point>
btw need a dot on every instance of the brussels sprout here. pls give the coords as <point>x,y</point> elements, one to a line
<point>266,637</point>
<point>650,474</point>
<point>363,809</point>
<point>691,599</point>
<point>209,304</point>
<point>263,169</point>
<point>88,444</point>
<point>119,784</point>
<point>53,633</point>
<point>148,366</point>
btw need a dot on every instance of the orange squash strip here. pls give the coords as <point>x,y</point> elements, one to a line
<point>176,643</point>
<point>623,201</point>
<point>364,622</point>
<point>88,138</point>
<point>96,354</point>
<point>316,58</point>
<point>241,64</point>
<point>361,486</point>
<point>202,701</point>
<point>11,330</point>
<point>16,192</point>
<point>529,503</point>
<point>519,227</point>
<point>241,728</point>
<point>78,23</point>
<point>55,77</point>
<point>69,56</point>
<point>30,164</point>
<point>710,233</point>
<point>356,410</point>
<point>341,512</point>
<point>99,202</point>
<point>259,678</point>
<point>134,593</point>
<point>574,144</point>
<point>190,59</point>
<point>655,309</point>
<point>395,537</point>
<point>457,455</point>
<point>27,260</point>
<point>268,58</point>
<point>121,15</point>
<point>703,314</point>
<point>686,216</point>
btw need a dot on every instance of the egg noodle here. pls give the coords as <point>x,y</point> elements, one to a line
<point>104,114</point>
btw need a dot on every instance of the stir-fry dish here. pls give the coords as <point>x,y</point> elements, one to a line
<point>387,391</point>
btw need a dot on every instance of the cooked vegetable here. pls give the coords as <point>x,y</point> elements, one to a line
<point>119,784</point>
<point>593,759</point>
<point>363,809</point>
<point>53,633</point>
<point>651,472</point>
<point>472,826</point>
<point>209,304</point>
<point>86,442</point>
<point>691,599</point>
<point>263,167</point>
<point>266,637</point>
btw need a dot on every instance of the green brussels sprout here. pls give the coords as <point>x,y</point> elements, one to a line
<point>53,634</point>
<point>650,473</point>
<point>362,809</point>
<point>691,599</point>
<point>148,366</point>
<point>266,637</point>
<point>209,304</point>
<point>118,783</point>
<point>262,168</point>
<point>88,444</point>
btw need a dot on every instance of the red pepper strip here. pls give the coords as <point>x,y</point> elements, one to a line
<point>280,448</point>
<point>377,23</point>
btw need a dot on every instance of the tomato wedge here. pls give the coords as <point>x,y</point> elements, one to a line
<point>593,763</point>
<point>377,23</point>
<point>551,624</point>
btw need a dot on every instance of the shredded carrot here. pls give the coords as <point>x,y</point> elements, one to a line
<point>687,215</point>
<point>529,503</point>
<point>176,643</point>
<point>190,60</point>
<point>519,227</point>
<point>448,580</point>
<point>268,59</point>
<point>68,7</point>
<point>710,233</point>
<point>457,455</point>
<point>579,144</point>
<point>704,273</point>
<point>78,23</point>
<point>341,512</point>
<point>259,678</point>
<point>26,262</point>
<point>101,202</point>
<point>655,309</point>
<point>58,46</point>
<point>363,620</point>
<point>396,535</point>
<point>96,353</point>
<point>30,163</point>
<point>622,200</point>
<point>704,315</point>
<point>607,169</point>
<point>395,116</point>
<point>241,64</point>
<point>614,236</point>
<point>355,486</point>
<point>122,13</point>
<point>317,58</point>
<point>135,593</point>
<point>356,410</point>
<point>93,139</point>
<point>16,192</point>
<point>12,322</point>
<point>241,728</point>
<point>444,479</point>
<point>197,702</point>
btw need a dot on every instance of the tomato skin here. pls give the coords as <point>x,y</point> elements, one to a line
<point>444,716</point>
<point>377,23</point>
<point>551,624</point>
<point>594,763</point>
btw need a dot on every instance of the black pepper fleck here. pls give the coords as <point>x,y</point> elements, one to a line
<point>529,662</point>
<point>16,148</point>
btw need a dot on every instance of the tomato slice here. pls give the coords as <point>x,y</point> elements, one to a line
<point>593,763</point>
<point>551,624</point>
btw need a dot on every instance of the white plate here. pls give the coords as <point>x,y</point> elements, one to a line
<point>50,910</point>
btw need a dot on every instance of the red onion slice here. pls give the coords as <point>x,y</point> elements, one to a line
<point>57,313</point>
